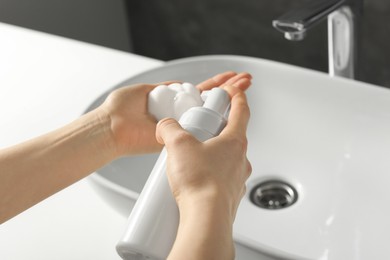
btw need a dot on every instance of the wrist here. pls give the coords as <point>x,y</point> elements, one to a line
<point>217,199</point>
<point>205,229</point>
<point>211,208</point>
<point>106,134</point>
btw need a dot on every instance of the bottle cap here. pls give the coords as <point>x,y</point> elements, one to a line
<point>217,100</point>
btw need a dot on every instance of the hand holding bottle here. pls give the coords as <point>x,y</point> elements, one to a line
<point>132,128</point>
<point>208,181</point>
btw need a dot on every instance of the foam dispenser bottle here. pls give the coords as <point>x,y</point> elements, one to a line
<point>154,220</point>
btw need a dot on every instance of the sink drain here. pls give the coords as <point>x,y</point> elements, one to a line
<point>273,194</point>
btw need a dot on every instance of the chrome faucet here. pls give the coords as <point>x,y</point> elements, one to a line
<point>341,30</point>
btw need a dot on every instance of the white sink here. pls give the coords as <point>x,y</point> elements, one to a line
<point>327,137</point>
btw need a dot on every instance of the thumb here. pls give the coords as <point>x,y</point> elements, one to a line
<point>170,133</point>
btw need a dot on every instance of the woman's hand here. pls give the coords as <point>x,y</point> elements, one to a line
<point>216,167</point>
<point>208,181</point>
<point>133,128</point>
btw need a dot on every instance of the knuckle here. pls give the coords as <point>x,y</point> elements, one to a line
<point>249,169</point>
<point>162,131</point>
<point>166,121</point>
<point>244,190</point>
<point>245,143</point>
<point>239,143</point>
<point>242,105</point>
<point>244,109</point>
<point>248,111</point>
<point>181,138</point>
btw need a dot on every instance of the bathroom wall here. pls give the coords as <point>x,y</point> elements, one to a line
<point>173,29</point>
<point>102,22</point>
<point>178,28</point>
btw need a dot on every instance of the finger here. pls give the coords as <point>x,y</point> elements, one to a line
<point>170,133</point>
<point>216,81</point>
<point>232,90</point>
<point>167,82</point>
<point>239,113</point>
<point>242,84</point>
<point>241,80</point>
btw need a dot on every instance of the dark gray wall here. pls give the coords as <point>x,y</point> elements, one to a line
<point>170,29</point>
<point>179,28</point>
<point>102,22</point>
<point>375,45</point>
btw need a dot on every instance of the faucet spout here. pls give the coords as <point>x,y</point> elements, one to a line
<point>341,32</point>
<point>298,21</point>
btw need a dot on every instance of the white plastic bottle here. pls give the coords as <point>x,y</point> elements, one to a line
<point>154,220</point>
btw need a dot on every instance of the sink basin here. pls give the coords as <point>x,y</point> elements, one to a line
<point>328,138</point>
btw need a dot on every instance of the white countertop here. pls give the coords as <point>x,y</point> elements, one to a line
<point>47,81</point>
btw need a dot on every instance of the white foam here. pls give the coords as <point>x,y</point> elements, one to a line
<point>173,100</point>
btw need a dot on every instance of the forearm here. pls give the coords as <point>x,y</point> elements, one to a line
<point>36,169</point>
<point>205,231</point>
